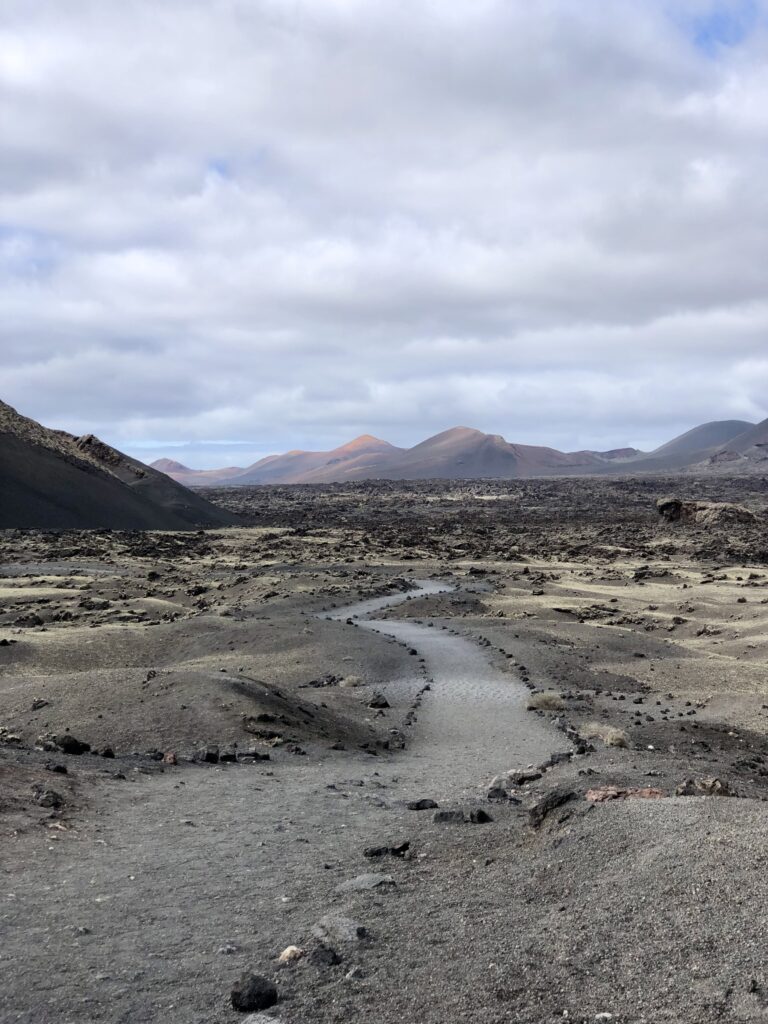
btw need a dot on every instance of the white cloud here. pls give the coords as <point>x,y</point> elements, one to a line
<point>289,222</point>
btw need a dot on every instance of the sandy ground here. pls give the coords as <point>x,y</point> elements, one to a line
<point>144,888</point>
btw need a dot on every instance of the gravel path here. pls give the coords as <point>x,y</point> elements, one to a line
<point>473,723</point>
<point>179,881</point>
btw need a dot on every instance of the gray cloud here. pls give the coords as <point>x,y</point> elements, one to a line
<point>285,223</point>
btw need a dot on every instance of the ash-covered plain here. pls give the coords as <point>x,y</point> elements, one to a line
<point>524,782</point>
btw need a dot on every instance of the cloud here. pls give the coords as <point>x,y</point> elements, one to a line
<point>289,223</point>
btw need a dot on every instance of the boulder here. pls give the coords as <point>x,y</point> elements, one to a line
<point>703,513</point>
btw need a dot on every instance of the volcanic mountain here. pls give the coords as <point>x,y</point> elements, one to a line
<point>459,453</point>
<point>747,452</point>
<point>195,477</point>
<point>51,480</point>
<point>464,453</point>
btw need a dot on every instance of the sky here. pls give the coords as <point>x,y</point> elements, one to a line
<point>236,227</point>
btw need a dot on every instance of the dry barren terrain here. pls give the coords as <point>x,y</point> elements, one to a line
<point>523,781</point>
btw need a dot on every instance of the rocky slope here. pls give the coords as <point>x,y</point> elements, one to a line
<point>52,480</point>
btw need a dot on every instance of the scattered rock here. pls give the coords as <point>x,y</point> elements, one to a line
<point>396,741</point>
<point>604,793</point>
<point>549,802</point>
<point>324,956</point>
<point>422,805</point>
<point>399,850</point>
<point>560,757</point>
<point>378,700</point>
<point>502,785</point>
<point>69,745</point>
<point>252,992</point>
<point>704,513</point>
<point>291,954</point>
<point>47,797</point>
<point>479,816</point>
<point>703,787</point>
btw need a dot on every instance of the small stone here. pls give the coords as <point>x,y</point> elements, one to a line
<point>324,956</point>
<point>559,757</point>
<point>422,805</point>
<point>549,802</point>
<point>47,797</point>
<point>522,778</point>
<point>703,787</point>
<point>252,992</point>
<point>400,850</point>
<point>378,700</point>
<point>291,954</point>
<point>479,817</point>
<point>69,745</point>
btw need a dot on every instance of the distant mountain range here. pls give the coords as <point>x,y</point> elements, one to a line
<point>464,453</point>
<point>51,480</point>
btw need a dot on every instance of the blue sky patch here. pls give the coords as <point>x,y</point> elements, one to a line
<point>725,25</point>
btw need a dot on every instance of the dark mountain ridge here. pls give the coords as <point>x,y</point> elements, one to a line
<point>51,480</point>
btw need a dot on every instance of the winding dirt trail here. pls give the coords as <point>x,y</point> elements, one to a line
<point>124,918</point>
<point>473,723</point>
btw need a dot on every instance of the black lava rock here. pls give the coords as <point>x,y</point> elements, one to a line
<point>69,745</point>
<point>252,992</point>
<point>324,956</point>
<point>422,805</point>
<point>479,817</point>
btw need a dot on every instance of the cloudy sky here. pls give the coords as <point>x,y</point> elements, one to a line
<point>232,227</point>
